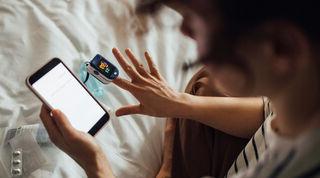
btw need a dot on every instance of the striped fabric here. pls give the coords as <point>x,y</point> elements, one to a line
<point>256,146</point>
<point>270,155</point>
<point>288,158</point>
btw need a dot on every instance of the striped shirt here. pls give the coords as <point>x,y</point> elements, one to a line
<point>277,156</point>
<point>256,146</point>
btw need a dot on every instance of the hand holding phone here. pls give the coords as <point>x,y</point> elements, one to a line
<point>56,86</point>
<point>79,145</point>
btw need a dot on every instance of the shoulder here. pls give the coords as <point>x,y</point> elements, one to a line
<point>257,145</point>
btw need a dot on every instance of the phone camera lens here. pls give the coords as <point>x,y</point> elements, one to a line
<point>96,72</point>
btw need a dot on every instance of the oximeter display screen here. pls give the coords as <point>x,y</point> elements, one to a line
<point>104,67</point>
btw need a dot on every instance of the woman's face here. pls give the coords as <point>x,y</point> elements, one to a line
<point>199,24</point>
<point>194,25</point>
<point>252,78</point>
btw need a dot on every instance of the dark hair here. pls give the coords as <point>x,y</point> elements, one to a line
<point>242,14</point>
<point>240,17</point>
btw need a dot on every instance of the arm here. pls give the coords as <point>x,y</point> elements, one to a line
<point>169,134</point>
<point>236,116</point>
<point>158,99</point>
<point>203,107</point>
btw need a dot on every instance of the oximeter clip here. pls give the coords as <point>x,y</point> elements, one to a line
<point>101,69</point>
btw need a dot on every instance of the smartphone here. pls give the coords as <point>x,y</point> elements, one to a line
<point>58,88</point>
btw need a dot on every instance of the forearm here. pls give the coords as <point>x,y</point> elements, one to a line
<point>236,116</point>
<point>169,134</point>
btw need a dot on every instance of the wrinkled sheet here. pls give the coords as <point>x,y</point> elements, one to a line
<point>33,32</point>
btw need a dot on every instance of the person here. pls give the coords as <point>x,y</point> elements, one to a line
<point>250,109</point>
<point>264,48</point>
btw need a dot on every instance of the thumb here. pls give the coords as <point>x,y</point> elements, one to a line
<point>62,123</point>
<point>127,110</point>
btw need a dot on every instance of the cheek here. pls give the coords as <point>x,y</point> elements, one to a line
<point>230,81</point>
<point>265,80</point>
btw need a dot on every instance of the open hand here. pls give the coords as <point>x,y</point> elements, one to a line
<point>150,89</point>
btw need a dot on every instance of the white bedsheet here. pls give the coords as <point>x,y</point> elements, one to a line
<point>32,32</point>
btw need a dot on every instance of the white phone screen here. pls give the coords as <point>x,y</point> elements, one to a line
<point>62,91</point>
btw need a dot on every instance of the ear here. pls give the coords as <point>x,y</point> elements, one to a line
<point>289,47</point>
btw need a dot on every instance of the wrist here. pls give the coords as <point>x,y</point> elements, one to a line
<point>182,106</point>
<point>98,167</point>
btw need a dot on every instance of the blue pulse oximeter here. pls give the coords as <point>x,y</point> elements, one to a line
<point>102,69</point>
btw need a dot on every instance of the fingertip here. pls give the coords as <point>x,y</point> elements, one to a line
<point>55,112</point>
<point>62,122</point>
<point>115,50</point>
<point>148,57</point>
<point>118,113</point>
<point>129,52</point>
<point>58,114</point>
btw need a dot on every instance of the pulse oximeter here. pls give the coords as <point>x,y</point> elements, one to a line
<point>102,69</point>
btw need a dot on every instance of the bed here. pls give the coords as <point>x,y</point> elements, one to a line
<point>34,31</point>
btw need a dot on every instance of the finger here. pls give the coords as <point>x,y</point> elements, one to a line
<point>126,85</point>
<point>152,67</point>
<point>139,67</point>
<point>63,124</point>
<point>50,125</point>
<point>127,110</point>
<point>124,64</point>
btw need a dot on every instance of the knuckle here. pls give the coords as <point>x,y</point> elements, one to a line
<point>149,89</point>
<point>154,67</point>
<point>147,75</point>
<point>139,78</point>
<point>129,68</point>
<point>145,82</point>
